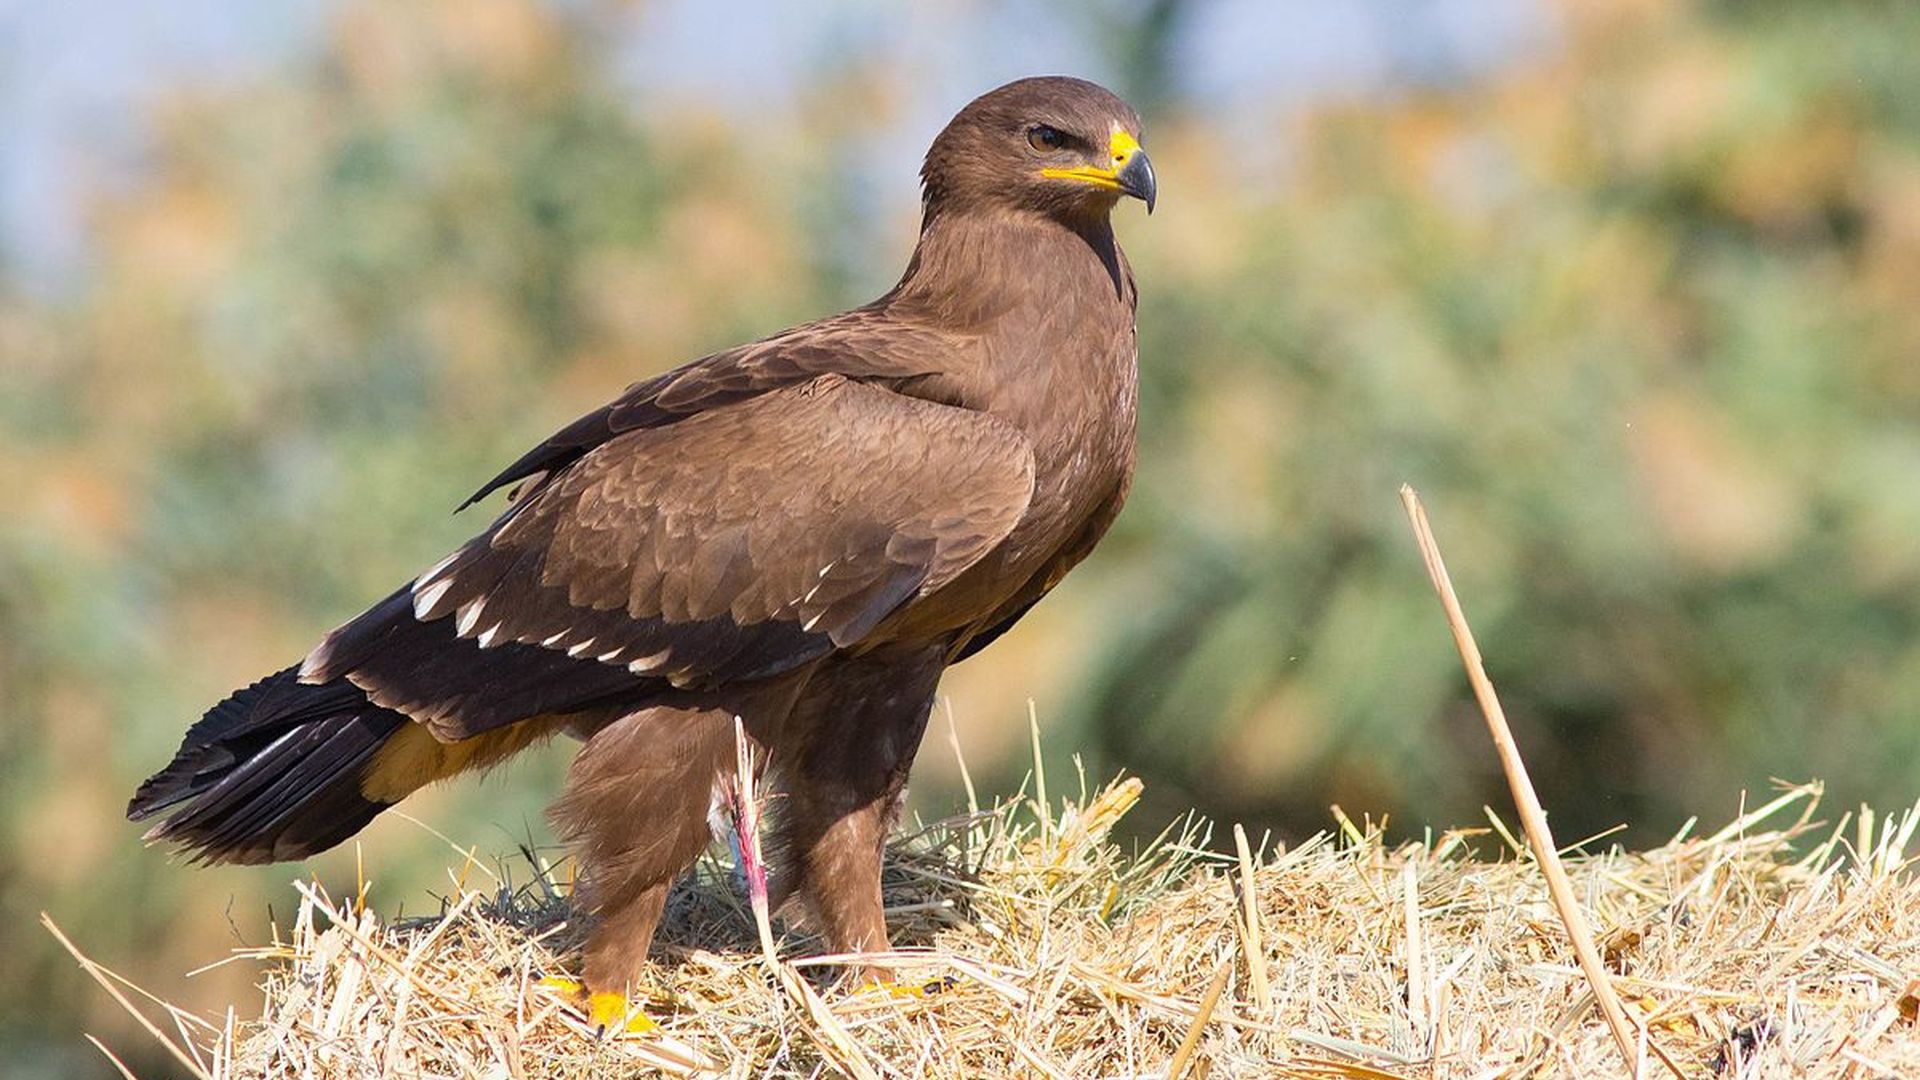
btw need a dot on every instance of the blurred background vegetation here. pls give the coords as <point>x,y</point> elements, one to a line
<point>1630,290</point>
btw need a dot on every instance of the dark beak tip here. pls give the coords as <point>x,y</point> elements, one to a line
<point>1137,180</point>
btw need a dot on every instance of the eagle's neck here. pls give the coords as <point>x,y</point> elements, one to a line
<point>1040,316</point>
<point>972,269</point>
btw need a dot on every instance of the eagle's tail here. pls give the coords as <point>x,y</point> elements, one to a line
<point>272,773</point>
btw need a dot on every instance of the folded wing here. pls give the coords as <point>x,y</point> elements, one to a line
<point>735,543</point>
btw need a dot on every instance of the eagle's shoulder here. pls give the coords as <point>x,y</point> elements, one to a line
<point>866,344</point>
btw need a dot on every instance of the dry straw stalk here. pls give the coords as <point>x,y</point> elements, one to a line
<point>1532,816</point>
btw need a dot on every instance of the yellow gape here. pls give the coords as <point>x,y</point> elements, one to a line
<point>1128,170</point>
<point>1122,147</point>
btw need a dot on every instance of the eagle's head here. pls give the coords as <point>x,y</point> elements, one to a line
<point>1059,146</point>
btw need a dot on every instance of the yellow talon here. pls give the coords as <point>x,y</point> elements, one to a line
<point>606,1011</point>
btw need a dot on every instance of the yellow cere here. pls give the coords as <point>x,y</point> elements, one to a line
<point>1121,147</point>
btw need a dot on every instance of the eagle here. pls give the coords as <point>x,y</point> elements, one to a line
<point>798,535</point>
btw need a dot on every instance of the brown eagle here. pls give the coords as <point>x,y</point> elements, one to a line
<point>802,533</point>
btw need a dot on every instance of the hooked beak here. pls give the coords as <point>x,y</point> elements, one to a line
<point>1136,177</point>
<point>1131,172</point>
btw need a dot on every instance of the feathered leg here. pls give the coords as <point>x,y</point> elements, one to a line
<point>636,811</point>
<point>855,731</point>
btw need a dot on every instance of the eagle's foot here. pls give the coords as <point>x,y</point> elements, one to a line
<point>913,990</point>
<point>608,1012</point>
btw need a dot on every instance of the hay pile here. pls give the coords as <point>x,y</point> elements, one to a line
<point>1775,946</point>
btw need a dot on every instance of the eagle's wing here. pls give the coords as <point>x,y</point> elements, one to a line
<point>858,344</point>
<point>735,543</point>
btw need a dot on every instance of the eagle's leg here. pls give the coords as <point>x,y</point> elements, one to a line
<point>635,812</point>
<point>856,729</point>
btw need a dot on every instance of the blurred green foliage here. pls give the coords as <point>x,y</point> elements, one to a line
<point>1638,316</point>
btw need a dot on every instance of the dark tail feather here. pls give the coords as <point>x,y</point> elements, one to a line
<point>272,773</point>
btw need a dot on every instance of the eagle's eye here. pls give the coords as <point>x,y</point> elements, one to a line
<point>1042,137</point>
